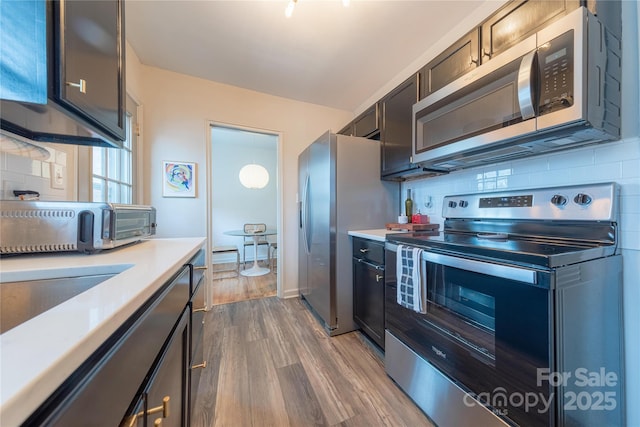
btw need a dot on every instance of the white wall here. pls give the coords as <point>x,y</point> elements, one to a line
<point>233,204</point>
<point>177,113</point>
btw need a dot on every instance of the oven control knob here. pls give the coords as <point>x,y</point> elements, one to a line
<point>582,199</point>
<point>452,204</point>
<point>559,200</point>
<point>463,203</point>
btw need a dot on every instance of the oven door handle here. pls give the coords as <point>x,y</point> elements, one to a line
<point>486,268</point>
<point>481,267</point>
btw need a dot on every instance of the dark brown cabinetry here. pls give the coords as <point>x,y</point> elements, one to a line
<point>368,288</point>
<point>457,60</point>
<point>198,308</point>
<point>75,52</point>
<point>347,130</point>
<point>142,372</point>
<point>518,20</point>
<point>166,396</point>
<point>395,136</point>
<point>367,124</point>
<point>89,79</point>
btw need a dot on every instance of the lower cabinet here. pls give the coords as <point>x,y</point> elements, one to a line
<point>141,376</point>
<point>163,400</point>
<point>197,363</point>
<point>368,288</point>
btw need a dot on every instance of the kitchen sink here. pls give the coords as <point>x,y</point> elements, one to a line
<point>21,300</point>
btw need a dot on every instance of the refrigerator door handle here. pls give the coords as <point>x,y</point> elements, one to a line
<point>305,214</point>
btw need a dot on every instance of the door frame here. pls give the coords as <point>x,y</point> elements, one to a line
<point>210,124</point>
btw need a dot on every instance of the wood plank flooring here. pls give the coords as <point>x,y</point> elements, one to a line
<point>233,289</point>
<point>269,363</point>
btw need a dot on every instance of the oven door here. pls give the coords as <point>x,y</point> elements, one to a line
<point>487,327</point>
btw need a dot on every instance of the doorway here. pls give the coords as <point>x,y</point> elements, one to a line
<point>235,203</point>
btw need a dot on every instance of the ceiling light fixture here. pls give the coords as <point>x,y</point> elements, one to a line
<point>254,176</point>
<point>289,10</point>
<point>292,4</point>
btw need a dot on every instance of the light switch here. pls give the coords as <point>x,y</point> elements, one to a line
<point>58,176</point>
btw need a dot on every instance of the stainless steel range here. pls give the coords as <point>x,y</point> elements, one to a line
<point>522,318</point>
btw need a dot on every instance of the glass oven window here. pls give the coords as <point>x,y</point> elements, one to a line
<point>489,314</point>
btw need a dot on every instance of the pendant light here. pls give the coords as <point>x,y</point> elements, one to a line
<point>254,176</point>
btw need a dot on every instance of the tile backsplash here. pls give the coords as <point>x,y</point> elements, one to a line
<point>610,162</point>
<point>49,169</point>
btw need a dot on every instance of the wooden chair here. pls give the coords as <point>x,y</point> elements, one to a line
<point>226,250</point>
<point>248,241</point>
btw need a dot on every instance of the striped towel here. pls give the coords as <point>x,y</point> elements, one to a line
<point>411,288</point>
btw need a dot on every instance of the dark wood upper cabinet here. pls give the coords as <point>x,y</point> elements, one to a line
<point>89,37</point>
<point>367,124</point>
<point>397,116</point>
<point>456,60</point>
<point>69,63</point>
<point>347,130</point>
<point>518,20</point>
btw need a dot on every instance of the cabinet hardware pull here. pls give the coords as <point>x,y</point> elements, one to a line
<point>200,267</point>
<point>485,53</point>
<point>157,422</point>
<point>201,365</point>
<point>196,310</point>
<point>364,251</point>
<point>164,408</point>
<point>82,85</point>
<point>378,277</point>
<point>475,61</point>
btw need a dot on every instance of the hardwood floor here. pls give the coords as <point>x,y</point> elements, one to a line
<point>269,363</point>
<point>233,289</point>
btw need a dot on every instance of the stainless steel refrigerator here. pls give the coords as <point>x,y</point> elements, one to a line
<point>339,189</point>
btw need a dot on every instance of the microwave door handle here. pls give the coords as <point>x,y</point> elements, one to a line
<point>525,98</point>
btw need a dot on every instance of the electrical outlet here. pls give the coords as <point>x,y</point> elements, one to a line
<point>430,207</point>
<point>58,176</point>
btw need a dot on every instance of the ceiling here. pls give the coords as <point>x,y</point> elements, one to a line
<point>325,54</point>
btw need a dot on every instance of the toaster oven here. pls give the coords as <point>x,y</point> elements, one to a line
<point>49,226</point>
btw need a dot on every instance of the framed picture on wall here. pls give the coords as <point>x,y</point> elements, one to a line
<point>178,179</point>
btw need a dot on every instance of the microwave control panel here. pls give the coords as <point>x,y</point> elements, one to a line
<point>555,60</point>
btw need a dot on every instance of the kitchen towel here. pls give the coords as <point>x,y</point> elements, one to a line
<point>411,288</point>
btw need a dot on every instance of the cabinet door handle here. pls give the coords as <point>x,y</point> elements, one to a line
<point>164,408</point>
<point>199,267</point>
<point>157,422</point>
<point>196,310</point>
<point>378,277</point>
<point>364,250</point>
<point>82,85</point>
<point>201,365</point>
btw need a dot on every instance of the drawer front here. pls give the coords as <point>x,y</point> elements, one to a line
<point>199,268</point>
<point>368,250</point>
<point>198,309</point>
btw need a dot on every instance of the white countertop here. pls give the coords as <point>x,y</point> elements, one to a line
<point>377,234</point>
<point>38,355</point>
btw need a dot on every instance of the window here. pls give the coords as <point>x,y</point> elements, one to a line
<point>112,174</point>
<point>112,168</point>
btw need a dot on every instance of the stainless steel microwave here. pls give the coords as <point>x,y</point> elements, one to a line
<point>557,89</point>
<point>49,226</point>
